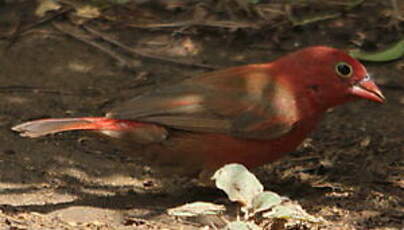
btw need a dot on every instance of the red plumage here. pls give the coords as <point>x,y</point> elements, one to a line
<point>250,114</point>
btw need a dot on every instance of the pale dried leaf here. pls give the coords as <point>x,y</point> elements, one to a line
<point>196,209</point>
<point>265,201</point>
<point>292,211</point>
<point>45,6</point>
<point>238,183</point>
<point>88,12</point>
<point>241,225</point>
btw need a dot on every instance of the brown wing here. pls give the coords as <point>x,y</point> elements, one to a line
<point>243,102</point>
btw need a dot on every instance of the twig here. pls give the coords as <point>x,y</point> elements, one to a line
<point>12,38</point>
<point>142,53</point>
<point>79,35</point>
<point>32,89</point>
<point>222,24</point>
<point>20,30</point>
<point>45,19</point>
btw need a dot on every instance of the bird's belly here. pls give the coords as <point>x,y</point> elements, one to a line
<point>190,153</point>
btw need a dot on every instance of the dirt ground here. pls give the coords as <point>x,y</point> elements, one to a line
<point>350,171</point>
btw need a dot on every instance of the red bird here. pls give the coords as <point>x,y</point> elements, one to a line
<point>250,114</point>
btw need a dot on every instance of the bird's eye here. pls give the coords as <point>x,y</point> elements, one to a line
<point>343,69</point>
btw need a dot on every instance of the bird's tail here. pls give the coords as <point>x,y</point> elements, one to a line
<point>43,127</point>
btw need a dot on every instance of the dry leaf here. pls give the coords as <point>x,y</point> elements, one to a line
<point>45,6</point>
<point>88,12</point>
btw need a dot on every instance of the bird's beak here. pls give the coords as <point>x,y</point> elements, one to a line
<point>367,89</point>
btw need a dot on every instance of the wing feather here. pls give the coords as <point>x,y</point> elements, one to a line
<point>242,102</point>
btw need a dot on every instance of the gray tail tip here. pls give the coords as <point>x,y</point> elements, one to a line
<point>23,131</point>
<point>17,128</point>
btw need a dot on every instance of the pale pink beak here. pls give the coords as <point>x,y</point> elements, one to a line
<point>367,89</point>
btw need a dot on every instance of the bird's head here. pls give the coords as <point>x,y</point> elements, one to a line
<point>331,76</point>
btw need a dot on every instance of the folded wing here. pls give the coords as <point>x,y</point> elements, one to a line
<point>243,102</point>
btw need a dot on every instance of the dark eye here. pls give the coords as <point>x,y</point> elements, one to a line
<point>343,69</point>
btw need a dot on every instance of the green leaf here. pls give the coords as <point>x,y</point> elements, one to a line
<point>265,201</point>
<point>241,225</point>
<point>196,209</point>
<point>291,211</point>
<point>238,183</point>
<point>393,52</point>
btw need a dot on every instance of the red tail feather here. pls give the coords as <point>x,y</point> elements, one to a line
<point>43,127</point>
